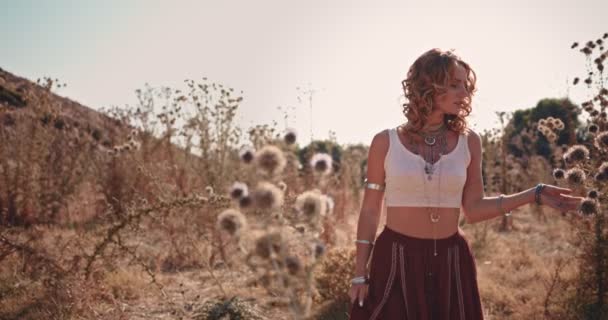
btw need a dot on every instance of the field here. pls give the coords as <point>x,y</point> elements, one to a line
<point>147,213</point>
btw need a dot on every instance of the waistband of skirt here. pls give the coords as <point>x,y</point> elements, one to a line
<point>392,235</point>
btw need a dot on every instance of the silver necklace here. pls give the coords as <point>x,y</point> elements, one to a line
<point>431,139</point>
<point>433,212</point>
<point>436,137</point>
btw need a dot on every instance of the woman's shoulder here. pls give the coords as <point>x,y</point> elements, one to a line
<point>471,134</point>
<point>381,138</point>
<point>378,150</point>
<point>473,139</point>
<point>380,142</point>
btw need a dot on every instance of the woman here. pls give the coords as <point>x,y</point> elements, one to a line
<point>427,170</point>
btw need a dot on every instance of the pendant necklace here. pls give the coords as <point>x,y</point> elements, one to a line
<point>429,168</point>
<point>431,139</point>
<point>434,214</point>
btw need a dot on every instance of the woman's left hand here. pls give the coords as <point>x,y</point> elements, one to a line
<point>559,198</point>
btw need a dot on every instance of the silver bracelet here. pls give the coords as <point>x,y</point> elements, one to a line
<point>500,209</point>
<point>365,242</point>
<point>360,280</point>
<point>373,186</point>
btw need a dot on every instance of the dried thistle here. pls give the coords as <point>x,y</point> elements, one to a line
<point>310,204</point>
<point>231,221</point>
<point>593,129</point>
<point>593,194</point>
<point>575,176</point>
<point>246,153</point>
<point>546,131</point>
<point>269,244</point>
<point>559,174</point>
<point>290,136</point>
<point>270,160</point>
<point>321,163</point>
<point>576,153</point>
<point>601,140</point>
<point>599,177</point>
<point>238,190</point>
<point>556,123</point>
<point>589,207</point>
<point>267,196</point>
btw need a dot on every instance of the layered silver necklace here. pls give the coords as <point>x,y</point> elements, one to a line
<point>436,139</point>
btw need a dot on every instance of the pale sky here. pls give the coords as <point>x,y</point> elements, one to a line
<point>354,54</point>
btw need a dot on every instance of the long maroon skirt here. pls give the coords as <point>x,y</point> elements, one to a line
<point>408,282</point>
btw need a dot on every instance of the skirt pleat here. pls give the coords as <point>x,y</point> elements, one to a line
<point>407,281</point>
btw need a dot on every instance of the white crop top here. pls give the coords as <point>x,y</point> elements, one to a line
<point>407,184</point>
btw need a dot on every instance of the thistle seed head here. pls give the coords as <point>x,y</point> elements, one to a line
<point>270,160</point>
<point>321,163</point>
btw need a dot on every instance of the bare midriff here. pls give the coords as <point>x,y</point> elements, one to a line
<point>416,222</point>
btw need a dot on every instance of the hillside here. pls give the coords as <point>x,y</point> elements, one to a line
<point>20,95</point>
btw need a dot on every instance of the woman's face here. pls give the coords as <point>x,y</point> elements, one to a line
<point>451,101</point>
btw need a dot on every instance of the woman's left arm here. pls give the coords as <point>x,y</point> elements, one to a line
<point>477,207</point>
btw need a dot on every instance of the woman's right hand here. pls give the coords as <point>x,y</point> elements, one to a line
<point>358,293</point>
<point>559,198</point>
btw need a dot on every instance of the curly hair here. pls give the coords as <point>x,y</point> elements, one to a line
<point>429,76</point>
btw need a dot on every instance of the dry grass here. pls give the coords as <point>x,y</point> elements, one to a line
<point>516,268</point>
<point>513,272</point>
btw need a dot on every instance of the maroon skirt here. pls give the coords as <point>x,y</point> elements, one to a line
<point>407,281</point>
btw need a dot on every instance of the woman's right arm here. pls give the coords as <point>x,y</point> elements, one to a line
<point>371,207</point>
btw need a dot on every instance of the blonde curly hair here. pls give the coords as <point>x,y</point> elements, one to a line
<point>429,76</point>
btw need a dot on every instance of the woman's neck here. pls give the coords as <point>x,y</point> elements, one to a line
<point>432,127</point>
<point>433,124</point>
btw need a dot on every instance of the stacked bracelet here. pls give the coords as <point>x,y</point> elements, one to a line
<point>537,192</point>
<point>374,186</point>
<point>365,242</point>
<point>360,280</point>
<point>500,209</point>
